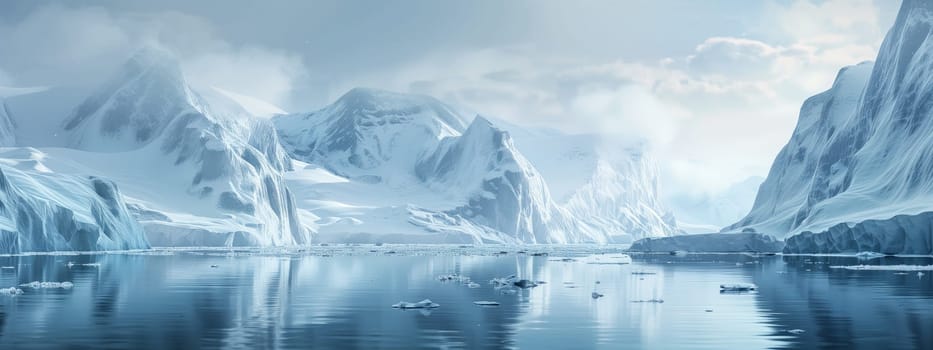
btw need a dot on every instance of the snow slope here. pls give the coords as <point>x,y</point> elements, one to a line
<point>505,193</point>
<point>198,169</point>
<point>856,174</point>
<point>44,211</point>
<point>370,134</point>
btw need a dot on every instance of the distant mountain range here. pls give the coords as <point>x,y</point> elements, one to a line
<point>198,167</point>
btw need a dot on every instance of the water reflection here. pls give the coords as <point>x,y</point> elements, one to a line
<point>181,301</point>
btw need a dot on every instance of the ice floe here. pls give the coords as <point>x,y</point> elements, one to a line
<point>11,291</point>
<point>885,267</point>
<point>486,303</point>
<point>868,255</point>
<point>737,287</point>
<point>424,304</point>
<point>48,285</point>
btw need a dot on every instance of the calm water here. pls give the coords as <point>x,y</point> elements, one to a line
<point>252,301</point>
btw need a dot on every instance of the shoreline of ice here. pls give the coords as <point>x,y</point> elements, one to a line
<point>884,267</point>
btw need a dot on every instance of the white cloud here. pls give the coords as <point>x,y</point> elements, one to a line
<point>263,74</point>
<point>63,45</point>
<point>630,113</point>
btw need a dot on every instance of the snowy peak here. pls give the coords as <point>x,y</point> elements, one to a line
<point>482,152</point>
<point>504,191</point>
<point>370,105</point>
<point>134,107</point>
<point>372,133</point>
<point>856,172</point>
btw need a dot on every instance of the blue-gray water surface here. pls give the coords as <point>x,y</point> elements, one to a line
<point>190,299</point>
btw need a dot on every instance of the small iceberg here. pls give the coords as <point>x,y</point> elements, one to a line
<point>473,285</point>
<point>48,285</point>
<point>486,303</point>
<point>737,287</point>
<point>502,281</point>
<point>453,277</point>
<point>8,267</point>
<point>796,331</point>
<point>11,291</point>
<point>525,284</point>
<point>424,304</point>
<point>73,264</point>
<point>658,301</point>
<point>868,255</point>
<point>885,267</point>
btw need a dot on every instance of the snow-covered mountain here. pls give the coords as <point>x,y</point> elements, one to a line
<point>856,174</point>
<point>706,212</point>
<point>43,211</point>
<point>504,191</point>
<point>394,164</point>
<point>622,198</point>
<point>196,167</point>
<point>374,134</point>
<point>612,187</point>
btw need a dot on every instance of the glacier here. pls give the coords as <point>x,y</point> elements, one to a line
<point>855,175</point>
<point>197,168</point>
<point>42,211</point>
<point>609,187</point>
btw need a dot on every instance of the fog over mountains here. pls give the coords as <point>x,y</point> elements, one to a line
<point>145,158</point>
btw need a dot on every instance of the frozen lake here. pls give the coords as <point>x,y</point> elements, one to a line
<point>340,297</point>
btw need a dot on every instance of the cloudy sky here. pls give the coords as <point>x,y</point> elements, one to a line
<point>713,86</point>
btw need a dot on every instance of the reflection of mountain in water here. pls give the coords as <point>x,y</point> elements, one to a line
<point>848,309</point>
<point>180,301</point>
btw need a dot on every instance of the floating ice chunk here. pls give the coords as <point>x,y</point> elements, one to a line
<point>886,267</point>
<point>453,277</point>
<point>737,287</point>
<point>48,285</point>
<point>525,284</point>
<point>596,295</point>
<point>659,301</point>
<point>11,291</point>
<point>502,281</point>
<point>868,255</point>
<point>424,304</point>
<point>73,264</point>
<point>796,331</point>
<point>608,259</point>
<point>486,303</point>
<point>473,285</point>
